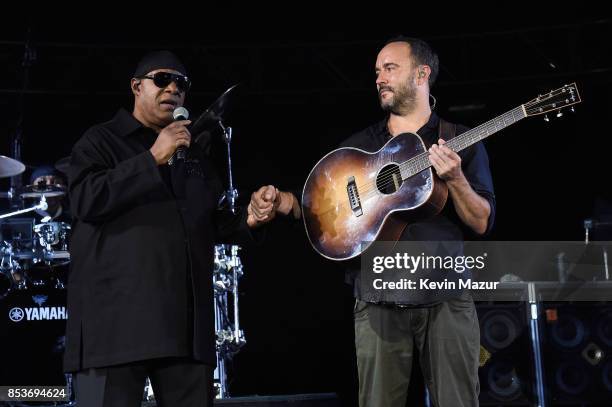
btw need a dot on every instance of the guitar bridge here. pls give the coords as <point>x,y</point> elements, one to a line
<point>353,196</point>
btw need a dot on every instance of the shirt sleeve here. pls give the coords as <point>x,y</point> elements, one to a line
<point>475,166</point>
<point>100,189</point>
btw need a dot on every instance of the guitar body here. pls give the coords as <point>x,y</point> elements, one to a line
<point>353,197</point>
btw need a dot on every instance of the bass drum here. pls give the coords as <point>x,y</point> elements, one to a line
<point>32,337</point>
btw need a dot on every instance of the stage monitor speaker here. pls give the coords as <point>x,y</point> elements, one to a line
<point>507,376</point>
<point>577,353</point>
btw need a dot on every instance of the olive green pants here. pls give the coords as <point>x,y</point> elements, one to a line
<point>447,337</point>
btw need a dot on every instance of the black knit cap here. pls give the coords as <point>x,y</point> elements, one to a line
<point>159,60</point>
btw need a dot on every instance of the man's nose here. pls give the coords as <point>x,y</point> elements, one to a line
<point>381,79</point>
<point>173,88</point>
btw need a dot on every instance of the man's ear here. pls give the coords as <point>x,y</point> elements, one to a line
<point>135,86</point>
<point>424,72</point>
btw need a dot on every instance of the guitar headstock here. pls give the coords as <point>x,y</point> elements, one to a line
<point>555,100</point>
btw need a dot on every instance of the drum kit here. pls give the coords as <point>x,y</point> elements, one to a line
<point>34,258</point>
<point>34,248</point>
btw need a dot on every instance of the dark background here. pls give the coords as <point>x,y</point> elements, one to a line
<point>304,88</point>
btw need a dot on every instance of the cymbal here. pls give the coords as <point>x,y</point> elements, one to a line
<point>37,191</point>
<point>208,121</point>
<point>9,167</point>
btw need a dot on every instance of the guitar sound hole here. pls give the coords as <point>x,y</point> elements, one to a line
<point>389,179</point>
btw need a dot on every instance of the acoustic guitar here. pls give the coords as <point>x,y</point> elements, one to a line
<point>352,197</point>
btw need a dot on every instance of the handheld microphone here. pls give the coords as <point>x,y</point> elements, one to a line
<point>180,113</point>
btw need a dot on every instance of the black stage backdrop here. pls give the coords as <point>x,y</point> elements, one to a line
<point>304,89</point>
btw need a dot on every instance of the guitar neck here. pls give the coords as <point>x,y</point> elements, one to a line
<point>464,140</point>
<point>483,131</point>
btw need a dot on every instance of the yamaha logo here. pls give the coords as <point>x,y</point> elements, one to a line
<point>37,314</point>
<point>16,314</point>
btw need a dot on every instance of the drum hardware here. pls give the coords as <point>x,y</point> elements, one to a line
<point>232,193</point>
<point>227,264</point>
<point>30,252</point>
<point>211,121</point>
<point>148,391</point>
<point>230,338</point>
<point>42,205</point>
<point>52,233</point>
<point>11,273</point>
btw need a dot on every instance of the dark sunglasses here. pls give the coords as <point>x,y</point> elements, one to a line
<point>163,79</point>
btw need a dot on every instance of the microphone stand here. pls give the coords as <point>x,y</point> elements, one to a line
<point>231,194</point>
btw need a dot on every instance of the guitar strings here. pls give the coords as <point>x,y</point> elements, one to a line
<point>385,178</point>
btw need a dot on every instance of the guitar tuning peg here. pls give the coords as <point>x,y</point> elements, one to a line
<point>546,119</point>
<point>559,113</point>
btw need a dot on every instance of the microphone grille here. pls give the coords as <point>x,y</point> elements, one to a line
<point>180,113</point>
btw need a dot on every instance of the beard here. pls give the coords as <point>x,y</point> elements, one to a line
<point>402,100</point>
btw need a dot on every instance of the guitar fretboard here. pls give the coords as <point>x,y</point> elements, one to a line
<point>421,161</point>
